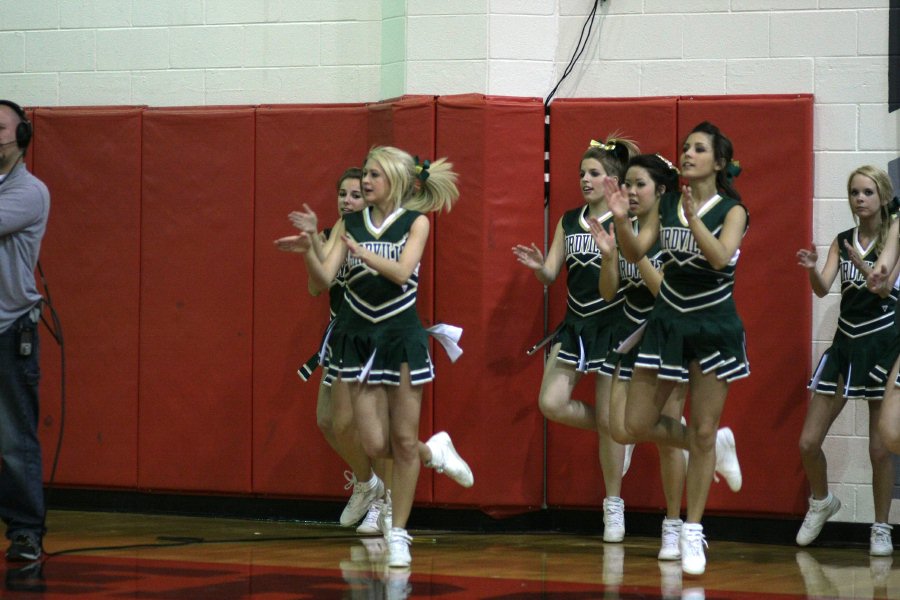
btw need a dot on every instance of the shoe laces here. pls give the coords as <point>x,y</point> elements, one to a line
<point>615,514</point>
<point>695,542</point>
<point>671,531</point>
<point>398,536</point>
<point>374,513</point>
<point>351,480</point>
<point>881,536</point>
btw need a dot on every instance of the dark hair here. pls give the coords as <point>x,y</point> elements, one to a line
<point>351,173</point>
<point>613,154</point>
<point>661,171</point>
<point>723,154</point>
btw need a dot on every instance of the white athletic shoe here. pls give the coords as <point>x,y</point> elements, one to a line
<point>629,450</point>
<point>370,525</point>
<point>671,540</point>
<point>445,459</point>
<point>364,494</point>
<point>726,459</point>
<point>693,557</point>
<point>398,548</point>
<point>386,518</point>
<point>819,512</point>
<point>613,519</point>
<point>880,543</point>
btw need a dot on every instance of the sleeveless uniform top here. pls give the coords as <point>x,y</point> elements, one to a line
<point>583,261</point>
<point>862,312</point>
<point>638,299</point>
<point>690,282</point>
<point>368,294</point>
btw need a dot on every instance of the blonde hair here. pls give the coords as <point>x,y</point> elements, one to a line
<point>885,190</point>
<point>613,154</point>
<point>426,187</point>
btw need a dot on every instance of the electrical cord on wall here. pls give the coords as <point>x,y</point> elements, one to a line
<point>55,328</point>
<point>583,39</point>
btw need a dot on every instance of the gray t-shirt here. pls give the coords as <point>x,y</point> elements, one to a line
<point>24,208</point>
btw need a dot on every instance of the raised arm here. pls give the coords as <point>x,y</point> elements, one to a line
<point>323,272</point>
<point>651,275</point>
<point>545,269</point>
<point>398,271</point>
<point>879,278</point>
<point>820,281</point>
<point>609,266</point>
<point>718,251</point>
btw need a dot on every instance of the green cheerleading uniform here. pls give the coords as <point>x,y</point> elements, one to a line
<point>585,335</point>
<point>377,327</point>
<point>638,303</point>
<point>335,300</point>
<point>694,316</point>
<point>864,333</point>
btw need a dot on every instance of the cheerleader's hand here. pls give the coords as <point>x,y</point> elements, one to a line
<point>616,198</point>
<point>530,256</point>
<point>605,240</point>
<point>877,279</point>
<point>687,202</point>
<point>293,243</point>
<point>305,220</point>
<point>857,260</point>
<point>807,258</point>
<point>354,248</point>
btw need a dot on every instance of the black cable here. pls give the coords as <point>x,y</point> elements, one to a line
<point>580,47</point>
<point>56,331</point>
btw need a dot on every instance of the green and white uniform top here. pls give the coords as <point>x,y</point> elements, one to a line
<point>583,261</point>
<point>586,333</point>
<point>862,312</point>
<point>856,363</point>
<point>690,282</point>
<point>370,295</point>
<point>638,299</point>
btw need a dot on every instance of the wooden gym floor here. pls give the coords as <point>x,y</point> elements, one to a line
<point>118,555</point>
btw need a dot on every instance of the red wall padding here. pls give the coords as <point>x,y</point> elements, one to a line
<point>301,151</point>
<point>196,299</point>
<point>574,477</point>
<point>90,158</point>
<point>487,400</point>
<point>773,140</point>
<point>184,326</point>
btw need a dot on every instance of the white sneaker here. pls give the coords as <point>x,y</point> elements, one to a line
<point>629,450</point>
<point>613,519</point>
<point>693,558</point>
<point>726,459</point>
<point>386,518</point>
<point>671,537</point>
<point>445,459</point>
<point>819,512</point>
<point>370,525</point>
<point>364,494</point>
<point>880,543</point>
<point>398,542</point>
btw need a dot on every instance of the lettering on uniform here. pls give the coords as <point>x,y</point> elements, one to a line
<point>581,243</point>
<point>384,249</point>
<point>678,239</point>
<point>849,272</point>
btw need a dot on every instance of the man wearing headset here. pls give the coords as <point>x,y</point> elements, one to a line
<point>24,208</point>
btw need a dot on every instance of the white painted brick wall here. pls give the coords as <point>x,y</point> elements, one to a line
<point>196,52</point>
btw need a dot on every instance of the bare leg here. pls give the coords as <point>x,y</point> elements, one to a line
<point>820,415</point>
<point>672,463</point>
<point>644,419</point>
<point>346,437</point>
<point>889,423</point>
<point>405,406</point>
<point>617,400</point>
<point>612,453</point>
<point>556,401</point>
<point>882,467</point>
<point>707,400</point>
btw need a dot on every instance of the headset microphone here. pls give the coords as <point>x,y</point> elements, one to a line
<point>24,129</point>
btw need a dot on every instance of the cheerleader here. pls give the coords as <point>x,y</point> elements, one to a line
<point>334,415</point>
<point>583,340</point>
<point>379,347</point>
<point>862,345</point>
<point>648,177</point>
<point>693,334</point>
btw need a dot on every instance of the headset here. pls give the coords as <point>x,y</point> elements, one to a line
<point>23,129</point>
